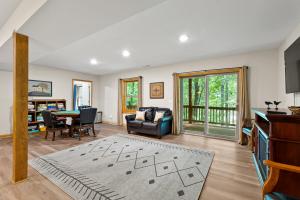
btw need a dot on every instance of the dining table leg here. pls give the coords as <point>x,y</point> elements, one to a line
<point>71,130</point>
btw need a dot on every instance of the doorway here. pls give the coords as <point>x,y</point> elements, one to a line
<point>82,93</point>
<point>209,105</point>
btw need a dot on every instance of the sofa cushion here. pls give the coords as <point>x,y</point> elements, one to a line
<point>140,115</point>
<point>158,115</point>
<point>149,116</point>
<point>135,123</point>
<point>149,125</point>
<point>167,111</point>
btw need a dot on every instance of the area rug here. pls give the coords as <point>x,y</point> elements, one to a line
<point>127,167</point>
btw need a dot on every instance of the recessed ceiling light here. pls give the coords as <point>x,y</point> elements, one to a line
<point>126,53</point>
<point>183,38</point>
<point>94,61</point>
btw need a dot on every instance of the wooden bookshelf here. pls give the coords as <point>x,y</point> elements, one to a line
<point>35,108</point>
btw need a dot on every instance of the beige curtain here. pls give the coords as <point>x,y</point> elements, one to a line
<point>245,112</point>
<point>176,105</point>
<point>120,113</point>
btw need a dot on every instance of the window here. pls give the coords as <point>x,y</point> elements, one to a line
<point>131,95</point>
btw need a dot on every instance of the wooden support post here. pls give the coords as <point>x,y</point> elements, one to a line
<point>190,101</point>
<point>20,107</point>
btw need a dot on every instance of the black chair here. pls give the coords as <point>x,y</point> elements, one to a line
<point>52,124</point>
<point>86,121</point>
<point>80,108</point>
<point>83,107</point>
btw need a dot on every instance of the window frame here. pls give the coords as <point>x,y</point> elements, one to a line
<point>125,96</point>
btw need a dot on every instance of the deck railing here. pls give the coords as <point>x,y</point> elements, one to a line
<point>225,116</point>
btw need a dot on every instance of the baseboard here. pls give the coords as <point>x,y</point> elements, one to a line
<point>5,135</point>
<point>111,123</point>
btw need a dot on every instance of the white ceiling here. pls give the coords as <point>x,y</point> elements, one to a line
<point>6,9</point>
<point>67,33</point>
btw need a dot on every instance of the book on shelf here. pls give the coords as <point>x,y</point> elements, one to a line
<point>34,131</point>
<point>39,118</point>
<point>32,127</point>
<point>52,106</point>
<point>42,107</point>
<point>29,118</point>
<point>61,106</point>
<point>31,106</point>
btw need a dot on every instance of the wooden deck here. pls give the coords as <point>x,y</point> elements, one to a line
<point>214,130</point>
<point>232,175</point>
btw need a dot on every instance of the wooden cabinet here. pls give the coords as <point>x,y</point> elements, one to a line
<point>276,137</point>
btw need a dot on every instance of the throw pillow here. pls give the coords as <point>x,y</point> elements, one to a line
<point>158,115</point>
<point>149,115</point>
<point>140,115</point>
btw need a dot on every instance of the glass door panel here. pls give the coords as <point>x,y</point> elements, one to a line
<point>194,101</point>
<point>222,105</point>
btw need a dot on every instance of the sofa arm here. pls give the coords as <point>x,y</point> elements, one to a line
<point>165,119</point>
<point>130,117</point>
<point>165,125</point>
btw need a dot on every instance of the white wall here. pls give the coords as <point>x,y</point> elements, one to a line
<point>6,89</point>
<point>288,99</point>
<point>263,80</point>
<point>61,84</point>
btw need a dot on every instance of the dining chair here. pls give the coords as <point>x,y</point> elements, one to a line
<point>52,124</point>
<point>80,108</point>
<point>86,121</point>
<point>83,107</point>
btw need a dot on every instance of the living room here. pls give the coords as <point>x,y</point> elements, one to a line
<point>176,92</point>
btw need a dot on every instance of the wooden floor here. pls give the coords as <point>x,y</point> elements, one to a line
<point>232,174</point>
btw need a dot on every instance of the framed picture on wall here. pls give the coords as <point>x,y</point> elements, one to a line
<point>157,90</point>
<point>39,88</point>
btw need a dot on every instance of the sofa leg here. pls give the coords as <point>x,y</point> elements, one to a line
<point>159,136</point>
<point>129,132</point>
<point>93,128</point>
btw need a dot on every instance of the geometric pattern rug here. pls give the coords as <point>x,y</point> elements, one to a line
<point>127,168</point>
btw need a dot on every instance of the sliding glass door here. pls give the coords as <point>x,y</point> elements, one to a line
<point>222,105</point>
<point>194,102</point>
<point>209,105</point>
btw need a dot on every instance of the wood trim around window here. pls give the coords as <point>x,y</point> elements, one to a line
<point>209,72</point>
<point>123,91</point>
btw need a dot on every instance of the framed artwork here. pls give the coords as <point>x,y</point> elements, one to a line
<point>157,90</point>
<point>39,88</point>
